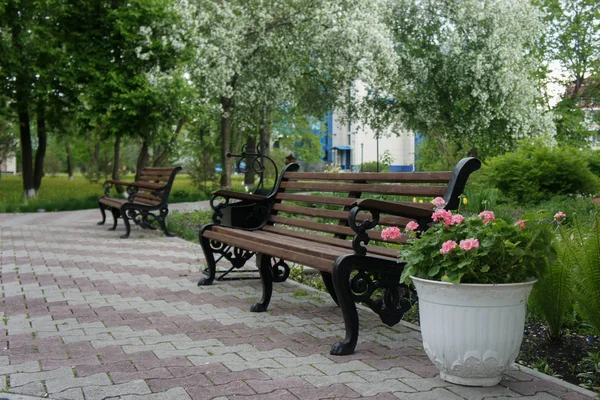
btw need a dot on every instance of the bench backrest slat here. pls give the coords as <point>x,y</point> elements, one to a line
<point>318,203</point>
<point>336,214</point>
<point>161,181</point>
<point>398,190</point>
<point>388,177</point>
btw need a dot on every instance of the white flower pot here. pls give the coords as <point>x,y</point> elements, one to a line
<point>472,332</point>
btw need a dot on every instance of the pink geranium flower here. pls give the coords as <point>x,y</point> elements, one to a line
<point>391,233</point>
<point>457,219</point>
<point>469,244</point>
<point>448,246</point>
<point>559,216</point>
<point>412,226</point>
<point>487,216</point>
<point>521,223</point>
<point>442,215</point>
<point>439,202</point>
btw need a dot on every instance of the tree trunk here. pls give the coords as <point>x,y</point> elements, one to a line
<point>265,133</point>
<point>69,161</point>
<point>40,153</point>
<point>117,163</point>
<point>227,104</point>
<point>26,151</point>
<point>116,158</point>
<point>142,160</point>
<point>162,158</point>
<point>250,174</point>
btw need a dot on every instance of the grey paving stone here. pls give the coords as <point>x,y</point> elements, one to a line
<point>308,360</point>
<point>302,370</point>
<point>336,368</point>
<point>426,384</point>
<point>171,394</point>
<point>435,394</point>
<point>29,366</point>
<point>391,385</point>
<point>138,387</point>
<point>476,393</point>
<point>20,379</point>
<point>31,389</point>
<point>70,394</point>
<point>59,385</point>
<point>344,377</point>
<point>392,373</point>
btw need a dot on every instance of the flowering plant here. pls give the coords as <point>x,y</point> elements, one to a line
<point>478,248</point>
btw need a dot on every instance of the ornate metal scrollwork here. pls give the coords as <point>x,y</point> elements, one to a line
<point>383,293</point>
<point>131,192</point>
<point>257,161</point>
<point>236,256</point>
<point>281,271</point>
<point>361,239</point>
<point>107,187</point>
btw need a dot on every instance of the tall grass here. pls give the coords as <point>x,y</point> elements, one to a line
<point>58,193</point>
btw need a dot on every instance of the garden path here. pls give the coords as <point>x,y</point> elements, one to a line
<point>87,315</point>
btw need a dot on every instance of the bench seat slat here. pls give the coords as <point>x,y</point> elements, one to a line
<point>317,226</point>
<point>398,190</point>
<point>112,202</point>
<point>329,252</point>
<point>384,251</point>
<point>249,244</point>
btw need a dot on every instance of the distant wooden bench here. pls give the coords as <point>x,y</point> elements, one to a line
<point>149,194</point>
<point>334,233</point>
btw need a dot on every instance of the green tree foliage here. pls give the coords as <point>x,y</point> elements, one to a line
<point>536,172</point>
<point>571,40</point>
<point>134,85</point>
<point>466,72</point>
<point>35,78</point>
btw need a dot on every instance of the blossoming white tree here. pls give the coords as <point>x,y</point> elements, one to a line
<point>466,71</point>
<point>253,57</point>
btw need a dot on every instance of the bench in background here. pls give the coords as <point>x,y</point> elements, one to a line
<point>147,201</point>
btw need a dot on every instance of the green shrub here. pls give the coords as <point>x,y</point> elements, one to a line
<point>187,225</point>
<point>552,296</point>
<point>536,172</point>
<point>585,251</point>
<point>371,166</point>
<point>593,159</point>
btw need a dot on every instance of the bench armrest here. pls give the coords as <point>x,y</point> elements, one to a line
<point>131,187</point>
<point>249,212</point>
<point>400,209</point>
<point>419,212</point>
<point>230,194</point>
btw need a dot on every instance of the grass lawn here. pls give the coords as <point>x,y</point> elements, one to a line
<point>58,193</point>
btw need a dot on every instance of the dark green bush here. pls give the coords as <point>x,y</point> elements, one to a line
<point>593,159</point>
<point>372,167</point>
<point>536,172</point>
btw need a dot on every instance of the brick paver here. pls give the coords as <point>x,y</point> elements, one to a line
<point>86,315</point>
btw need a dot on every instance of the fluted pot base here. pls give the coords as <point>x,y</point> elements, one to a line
<point>471,332</point>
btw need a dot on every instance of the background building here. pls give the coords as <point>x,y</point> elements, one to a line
<point>349,144</point>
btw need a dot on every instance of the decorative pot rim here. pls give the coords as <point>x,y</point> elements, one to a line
<point>475,285</point>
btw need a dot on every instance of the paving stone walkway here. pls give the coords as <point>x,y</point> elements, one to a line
<point>86,315</point>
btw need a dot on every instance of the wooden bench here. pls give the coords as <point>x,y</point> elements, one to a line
<point>319,220</point>
<point>148,194</point>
